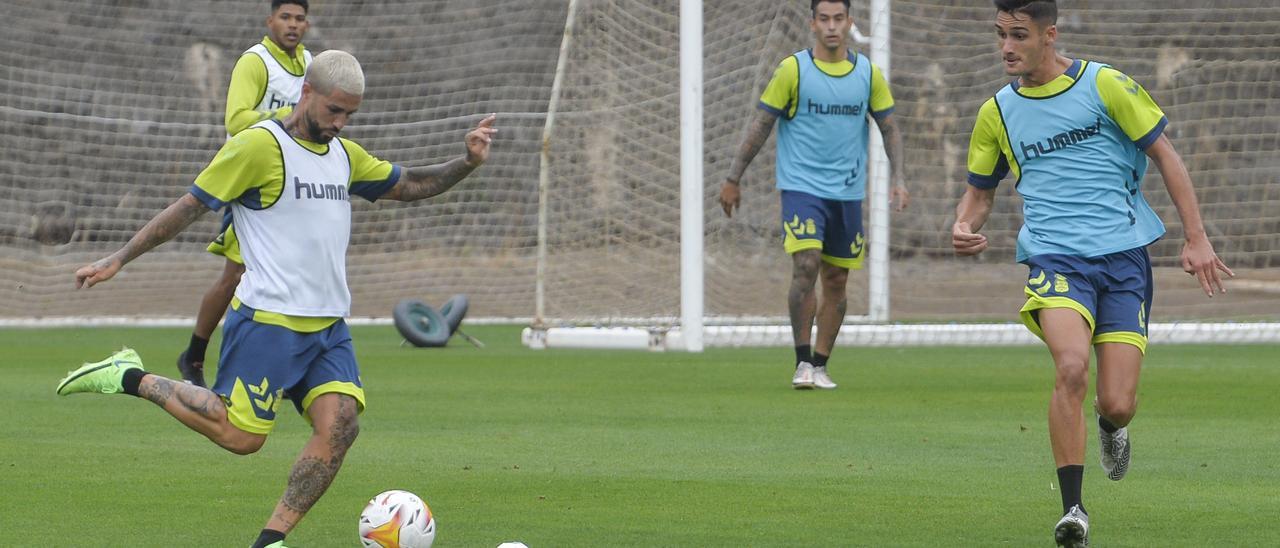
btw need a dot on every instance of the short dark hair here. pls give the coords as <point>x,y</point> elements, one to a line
<point>1044,12</point>
<point>275,4</point>
<point>813,4</point>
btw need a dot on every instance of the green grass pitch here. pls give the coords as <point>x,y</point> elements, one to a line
<point>918,447</point>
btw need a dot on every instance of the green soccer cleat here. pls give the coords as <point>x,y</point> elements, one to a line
<point>103,377</point>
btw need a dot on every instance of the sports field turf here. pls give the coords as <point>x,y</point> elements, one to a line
<point>918,447</point>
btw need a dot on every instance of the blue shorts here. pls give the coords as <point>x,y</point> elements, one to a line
<point>1113,293</point>
<point>833,226</point>
<point>261,364</point>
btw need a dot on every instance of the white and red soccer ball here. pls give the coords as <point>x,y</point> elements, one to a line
<point>397,519</point>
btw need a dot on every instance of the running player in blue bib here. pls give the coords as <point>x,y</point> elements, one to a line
<point>823,96</point>
<point>1076,136</point>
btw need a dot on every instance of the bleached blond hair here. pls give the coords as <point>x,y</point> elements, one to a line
<point>335,69</point>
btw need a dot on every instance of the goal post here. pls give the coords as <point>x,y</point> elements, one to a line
<point>878,179</point>
<point>691,184</point>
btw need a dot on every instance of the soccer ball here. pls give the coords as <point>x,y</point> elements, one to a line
<point>397,519</point>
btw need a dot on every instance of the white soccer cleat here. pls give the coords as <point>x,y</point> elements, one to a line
<point>803,379</point>
<point>1114,452</point>
<point>1072,530</point>
<point>822,380</point>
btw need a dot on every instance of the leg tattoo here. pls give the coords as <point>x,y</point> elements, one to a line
<point>157,392</point>
<point>801,299</point>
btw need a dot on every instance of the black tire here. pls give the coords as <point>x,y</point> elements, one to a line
<point>454,311</point>
<point>420,324</point>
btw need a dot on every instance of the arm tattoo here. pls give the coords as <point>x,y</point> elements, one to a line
<point>893,149</point>
<point>757,133</point>
<point>424,182</point>
<point>162,227</point>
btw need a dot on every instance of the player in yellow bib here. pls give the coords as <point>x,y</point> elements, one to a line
<point>266,83</point>
<point>289,183</point>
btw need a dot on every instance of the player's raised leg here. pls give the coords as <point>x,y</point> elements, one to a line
<point>1119,365</point>
<point>197,408</point>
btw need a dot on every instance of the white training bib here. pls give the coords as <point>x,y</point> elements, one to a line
<point>295,249</point>
<point>283,88</point>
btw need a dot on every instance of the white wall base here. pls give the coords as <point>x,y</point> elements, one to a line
<point>636,338</point>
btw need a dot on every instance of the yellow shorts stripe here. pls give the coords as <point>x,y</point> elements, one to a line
<point>1125,337</point>
<point>301,324</point>
<point>335,387</point>
<point>1036,302</point>
<point>854,263</point>
<point>793,246</point>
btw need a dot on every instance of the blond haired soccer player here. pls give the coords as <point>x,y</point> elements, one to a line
<point>824,96</point>
<point>289,182</point>
<point>266,83</point>
<point>1076,136</point>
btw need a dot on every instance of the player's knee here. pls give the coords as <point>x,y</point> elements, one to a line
<point>1072,372</point>
<point>1118,410</point>
<point>341,426</point>
<point>805,265</point>
<point>834,284</point>
<point>240,442</point>
<point>347,434</point>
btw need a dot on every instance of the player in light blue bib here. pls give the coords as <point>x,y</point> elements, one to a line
<point>1076,136</point>
<point>823,97</point>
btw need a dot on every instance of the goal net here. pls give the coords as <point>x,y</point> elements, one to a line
<point>614,230</point>
<point>110,116</point>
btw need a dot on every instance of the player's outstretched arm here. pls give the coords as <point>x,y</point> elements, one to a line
<point>164,226</point>
<point>757,133</point>
<point>899,196</point>
<point>971,214</point>
<point>1198,257</point>
<point>424,182</point>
